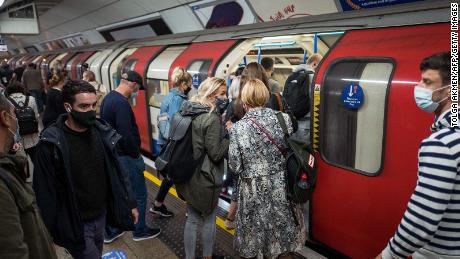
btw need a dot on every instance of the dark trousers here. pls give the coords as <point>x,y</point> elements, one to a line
<point>135,167</point>
<point>164,189</point>
<point>94,239</point>
<point>38,95</point>
<point>31,152</point>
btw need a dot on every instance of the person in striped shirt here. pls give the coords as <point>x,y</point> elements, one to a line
<point>430,227</point>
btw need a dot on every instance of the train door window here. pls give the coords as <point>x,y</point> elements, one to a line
<point>115,67</point>
<point>157,82</point>
<point>157,89</point>
<point>198,68</point>
<point>353,138</point>
<point>129,65</point>
<point>158,72</point>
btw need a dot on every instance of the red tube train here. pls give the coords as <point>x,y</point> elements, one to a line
<point>367,157</point>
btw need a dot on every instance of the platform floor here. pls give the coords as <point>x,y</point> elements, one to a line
<point>169,244</point>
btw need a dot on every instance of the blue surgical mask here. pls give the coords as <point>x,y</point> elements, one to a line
<point>424,98</point>
<point>16,135</point>
<point>135,94</point>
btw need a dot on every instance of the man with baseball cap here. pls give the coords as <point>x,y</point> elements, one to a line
<point>116,110</point>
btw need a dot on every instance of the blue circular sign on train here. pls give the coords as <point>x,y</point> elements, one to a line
<point>353,96</point>
<point>196,80</point>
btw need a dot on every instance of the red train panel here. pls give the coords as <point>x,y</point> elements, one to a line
<point>357,214</point>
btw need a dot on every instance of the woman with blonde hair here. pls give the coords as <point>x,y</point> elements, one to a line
<point>265,225</point>
<point>54,103</point>
<point>182,82</point>
<point>202,191</point>
<point>236,111</point>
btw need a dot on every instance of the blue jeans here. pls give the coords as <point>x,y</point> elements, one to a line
<point>38,95</point>
<point>135,167</point>
<point>94,239</point>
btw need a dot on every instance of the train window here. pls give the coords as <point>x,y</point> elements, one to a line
<point>353,138</point>
<point>199,67</point>
<point>157,90</point>
<point>129,65</point>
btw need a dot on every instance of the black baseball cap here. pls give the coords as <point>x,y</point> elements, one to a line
<point>133,76</point>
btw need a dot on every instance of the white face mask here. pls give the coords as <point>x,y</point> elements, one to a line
<point>424,98</point>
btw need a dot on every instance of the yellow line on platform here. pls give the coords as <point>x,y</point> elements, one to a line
<point>219,221</point>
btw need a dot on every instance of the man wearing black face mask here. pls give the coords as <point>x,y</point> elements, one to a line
<point>77,177</point>
<point>23,233</point>
<point>116,110</point>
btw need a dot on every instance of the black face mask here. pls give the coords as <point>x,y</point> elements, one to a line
<point>186,91</point>
<point>85,119</point>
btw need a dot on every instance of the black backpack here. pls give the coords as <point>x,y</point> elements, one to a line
<point>28,124</point>
<point>299,161</point>
<point>175,161</point>
<point>297,93</point>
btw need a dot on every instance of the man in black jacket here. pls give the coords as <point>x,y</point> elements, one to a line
<point>78,179</point>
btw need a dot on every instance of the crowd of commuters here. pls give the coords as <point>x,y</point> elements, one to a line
<point>88,172</point>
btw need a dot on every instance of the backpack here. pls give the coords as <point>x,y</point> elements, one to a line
<point>299,163</point>
<point>27,121</point>
<point>297,93</point>
<point>175,161</point>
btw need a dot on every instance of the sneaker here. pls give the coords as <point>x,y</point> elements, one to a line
<point>229,224</point>
<point>149,234</point>
<point>162,211</point>
<point>110,238</point>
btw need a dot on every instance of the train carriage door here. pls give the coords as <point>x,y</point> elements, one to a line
<point>157,87</point>
<point>138,61</point>
<point>367,130</point>
<point>106,65</point>
<point>76,66</point>
<point>116,65</point>
<point>70,65</point>
<point>53,62</point>
<point>97,62</point>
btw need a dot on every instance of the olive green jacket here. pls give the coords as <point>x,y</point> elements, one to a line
<point>203,189</point>
<point>23,233</point>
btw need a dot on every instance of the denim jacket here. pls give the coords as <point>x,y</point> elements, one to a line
<point>170,105</point>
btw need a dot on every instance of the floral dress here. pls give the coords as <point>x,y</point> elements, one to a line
<point>265,225</point>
